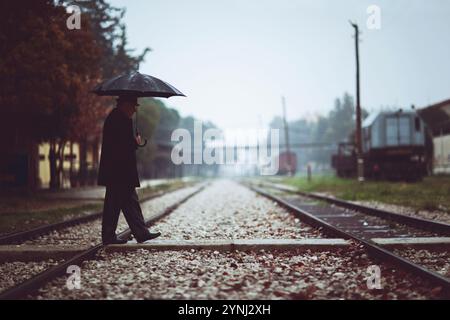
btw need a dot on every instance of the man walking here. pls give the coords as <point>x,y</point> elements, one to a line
<point>118,172</point>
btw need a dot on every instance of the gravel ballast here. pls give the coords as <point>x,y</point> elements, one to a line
<point>90,233</point>
<point>436,260</point>
<point>13,273</point>
<point>238,275</point>
<point>227,210</point>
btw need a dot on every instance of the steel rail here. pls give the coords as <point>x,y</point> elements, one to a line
<point>21,236</point>
<point>30,286</point>
<point>421,223</point>
<point>373,248</point>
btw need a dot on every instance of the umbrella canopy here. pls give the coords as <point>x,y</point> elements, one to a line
<point>138,85</point>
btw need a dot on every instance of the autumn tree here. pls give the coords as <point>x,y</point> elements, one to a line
<point>43,68</point>
<point>111,36</point>
<point>109,32</point>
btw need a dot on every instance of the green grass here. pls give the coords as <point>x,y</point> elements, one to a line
<point>433,193</point>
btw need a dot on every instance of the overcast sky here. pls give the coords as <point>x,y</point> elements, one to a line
<point>235,58</point>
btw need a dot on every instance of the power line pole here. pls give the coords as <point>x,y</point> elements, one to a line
<point>358,135</point>
<point>286,136</point>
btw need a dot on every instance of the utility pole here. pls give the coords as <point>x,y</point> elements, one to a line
<point>286,136</point>
<point>358,135</point>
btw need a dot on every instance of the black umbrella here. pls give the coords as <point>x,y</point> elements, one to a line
<point>138,85</point>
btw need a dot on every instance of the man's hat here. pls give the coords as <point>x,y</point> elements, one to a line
<point>127,98</point>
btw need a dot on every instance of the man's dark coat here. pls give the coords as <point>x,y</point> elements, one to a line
<point>118,157</point>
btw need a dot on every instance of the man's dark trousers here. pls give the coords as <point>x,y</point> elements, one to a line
<point>118,173</point>
<point>126,199</point>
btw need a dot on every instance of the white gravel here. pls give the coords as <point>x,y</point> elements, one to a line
<point>237,275</point>
<point>227,210</point>
<point>13,273</point>
<point>438,261</point>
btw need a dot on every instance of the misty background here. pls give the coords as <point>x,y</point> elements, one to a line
<point>234,59</point>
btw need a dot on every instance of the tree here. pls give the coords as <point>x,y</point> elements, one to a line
<point>110,36</point>
<point>148,118</point>
<point>169,119</point>
<point>320,135</point>
<point>47,71</point>
<point>124,61</point>
<point>337,126</point>
<point>44,68</point>
<point>341,119</point>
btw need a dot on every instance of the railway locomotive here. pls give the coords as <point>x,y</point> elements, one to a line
<point>396,145</point>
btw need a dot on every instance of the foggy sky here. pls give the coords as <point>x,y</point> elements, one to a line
<point>235,58</point>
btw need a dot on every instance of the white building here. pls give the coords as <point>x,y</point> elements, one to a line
<point>437,118</point>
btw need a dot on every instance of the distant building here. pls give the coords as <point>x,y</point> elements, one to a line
<point>437,117</point>
<point>77,158</point>
<point>24,162</point>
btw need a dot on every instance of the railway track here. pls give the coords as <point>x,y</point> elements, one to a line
<point>234,214</point>
<point>21,236</point>
<point>224,244</point>
<point>30,286</point>
<point>363,225</point>
<point>426,224</point>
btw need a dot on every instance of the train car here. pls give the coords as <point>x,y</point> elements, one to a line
<point>287,163</point>
<point>344,160</point>
<point>396,145</point>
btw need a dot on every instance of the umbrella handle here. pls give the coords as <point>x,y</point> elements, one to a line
<point>137,134</point>
<point>143,144</point>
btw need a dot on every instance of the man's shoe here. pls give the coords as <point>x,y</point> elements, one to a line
<point>150,237</point>
<point>115,241</point>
